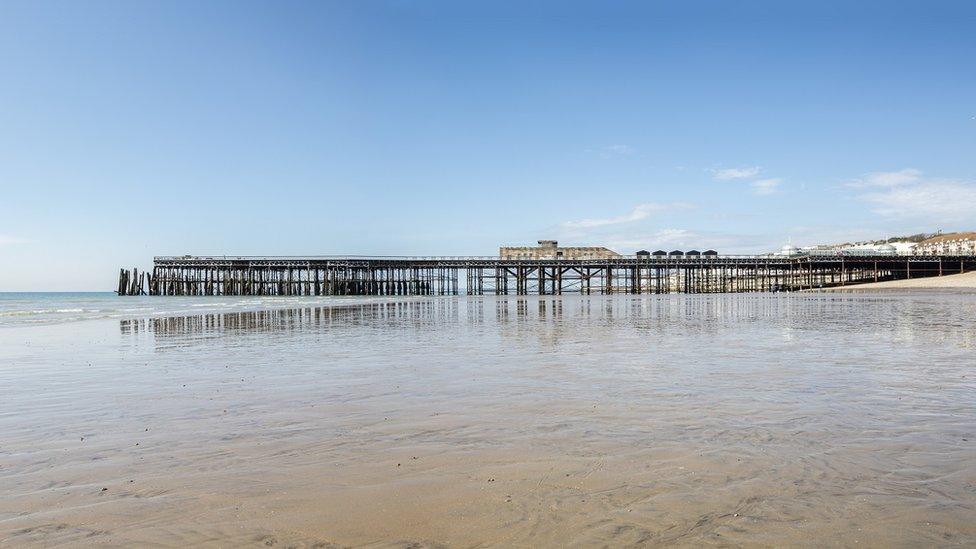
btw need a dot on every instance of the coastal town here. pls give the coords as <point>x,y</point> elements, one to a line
<point>937,244</point>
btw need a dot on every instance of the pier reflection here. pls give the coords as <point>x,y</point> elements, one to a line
<point>549,319</point>
<point>292,319</point>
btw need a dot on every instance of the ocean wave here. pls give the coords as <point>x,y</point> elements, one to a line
<point>56,309</point>
<point>27,312</point>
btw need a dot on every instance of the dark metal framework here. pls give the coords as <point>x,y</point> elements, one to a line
<point>294,276</point>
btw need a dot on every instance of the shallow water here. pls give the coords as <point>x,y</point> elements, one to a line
<point>33,308</point>
<point>624,420</point>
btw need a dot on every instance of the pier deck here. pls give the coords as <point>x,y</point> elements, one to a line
<point>486,275</point>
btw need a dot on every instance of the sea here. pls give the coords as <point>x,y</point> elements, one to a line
<point>806,419</point>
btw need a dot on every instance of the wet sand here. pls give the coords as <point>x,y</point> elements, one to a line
<point>816,420</point>
<point>958,282</point>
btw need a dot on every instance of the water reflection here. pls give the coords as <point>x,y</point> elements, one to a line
<point>292,319</point>
<point>904,319</point>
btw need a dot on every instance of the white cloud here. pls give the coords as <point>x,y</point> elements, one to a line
<point>934,202</point>
<point>898,178</point>
<point>766,186</point>
<point>658,239</point>
<point>809,235</point>
<point>688,239</point>
<point>907,195</point>
<point>759,186</point>
<point>631,231</point>
<point>726,174</point>
<point>641,211</point>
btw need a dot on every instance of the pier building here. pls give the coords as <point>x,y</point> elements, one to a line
<point>550,249</point>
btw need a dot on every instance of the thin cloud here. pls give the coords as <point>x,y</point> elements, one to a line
<point>898,178</point>
<point>766,186</point>
<point>727,174</point>
<point>613,151</point>
<point>934,202</point>
<point>641,211</point>
<point>810,235</point>
<point>761,187</point>
<point>687,239</point>
<point>658,239</point>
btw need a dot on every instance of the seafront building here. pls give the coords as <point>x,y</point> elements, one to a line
<point>948,244</point>
<point>849,250</point>
<point>550,249</point>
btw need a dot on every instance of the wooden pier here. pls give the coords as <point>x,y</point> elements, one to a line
<point>410,276</point>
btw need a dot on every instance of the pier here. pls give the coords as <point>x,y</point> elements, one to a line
<point>493,275</point>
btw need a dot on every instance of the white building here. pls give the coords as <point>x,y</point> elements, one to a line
<point>948,244</point>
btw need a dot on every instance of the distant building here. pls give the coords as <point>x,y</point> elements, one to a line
<point>948,244</point>
<point>789,250</point>
<point>550,249</point>
<point>902,247</point>
<point>839,250</point>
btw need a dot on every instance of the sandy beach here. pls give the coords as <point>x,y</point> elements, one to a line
<point>964,281</point>
<point>724,420</point>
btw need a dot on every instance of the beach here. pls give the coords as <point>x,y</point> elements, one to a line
<point>958,282</point>
<point>759,419</point>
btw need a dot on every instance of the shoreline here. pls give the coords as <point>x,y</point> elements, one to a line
<point>965,282</point>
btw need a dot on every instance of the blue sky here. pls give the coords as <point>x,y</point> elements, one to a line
<point>133,129</point>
